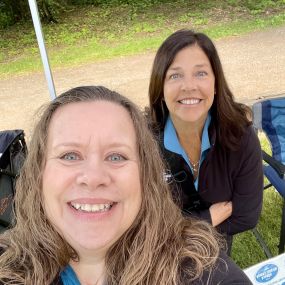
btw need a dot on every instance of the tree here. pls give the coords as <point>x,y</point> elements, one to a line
<point>13,11</point>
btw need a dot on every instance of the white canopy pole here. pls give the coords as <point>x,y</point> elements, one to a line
<point>41,43</point>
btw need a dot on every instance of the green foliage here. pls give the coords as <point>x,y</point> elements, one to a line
<point>5,19</point>
<point>258,7</point>
<point>50,10</point>
<point>116,2</point>
<point>115,28</point>
<point>14,11</point>
<point>233,2</point>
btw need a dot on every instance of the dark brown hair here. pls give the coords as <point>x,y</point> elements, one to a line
<point>229,117</point>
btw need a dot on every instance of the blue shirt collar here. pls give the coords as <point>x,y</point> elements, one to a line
<point>68,276</point>
<point>171,141</point>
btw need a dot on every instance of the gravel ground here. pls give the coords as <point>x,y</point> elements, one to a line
<point>254,65</point>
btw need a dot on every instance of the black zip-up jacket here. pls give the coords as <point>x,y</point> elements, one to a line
<point>224,175</point>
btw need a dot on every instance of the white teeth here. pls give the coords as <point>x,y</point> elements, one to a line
<point>190,101</point>
<point>95,208</point>
<point>91,207</point>
<point>76,206</point>
<point>86,207</point>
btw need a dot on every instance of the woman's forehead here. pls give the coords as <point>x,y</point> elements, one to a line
<point>95,119</point>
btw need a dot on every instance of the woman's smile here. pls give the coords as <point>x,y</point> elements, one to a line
<point>189,101</point>
<point>91,208</point>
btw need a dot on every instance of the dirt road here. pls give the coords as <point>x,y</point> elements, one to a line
<point>254,65</point>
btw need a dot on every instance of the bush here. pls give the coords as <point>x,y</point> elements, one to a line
<point>262,4</point>
<point>13,11</point>
<point>5,19</point>
<point>115,2</point>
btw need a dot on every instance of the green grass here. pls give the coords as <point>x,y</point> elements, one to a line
<point>99,33</point>
<point>246,250</point>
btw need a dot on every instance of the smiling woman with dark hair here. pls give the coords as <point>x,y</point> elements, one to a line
<point>206,138</point>
<point>92,206</point>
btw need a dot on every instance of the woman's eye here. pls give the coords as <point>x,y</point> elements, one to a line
<point>174,76</point>
<point>70,156</point>
<point>116,157</point>
<point>201,73</point>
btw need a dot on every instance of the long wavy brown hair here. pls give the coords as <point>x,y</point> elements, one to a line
<point>151,251</point>
<point>230,118</point>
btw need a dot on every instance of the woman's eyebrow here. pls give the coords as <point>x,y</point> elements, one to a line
<point>121,144</point>
<point>174,68</point>
<point>202,65</point>
<point>65,144</point>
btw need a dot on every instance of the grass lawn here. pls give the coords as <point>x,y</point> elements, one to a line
<point>92,33</point>
<point>246,250</point>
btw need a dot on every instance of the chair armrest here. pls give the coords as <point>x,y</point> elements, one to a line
<point>277,165</point>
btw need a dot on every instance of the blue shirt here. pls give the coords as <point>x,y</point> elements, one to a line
<point>69,277</point>
<point>171,143</point>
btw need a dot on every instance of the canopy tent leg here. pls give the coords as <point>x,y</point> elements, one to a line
<point>41,43</point>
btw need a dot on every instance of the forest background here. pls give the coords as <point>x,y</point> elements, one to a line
<point>82,31</point>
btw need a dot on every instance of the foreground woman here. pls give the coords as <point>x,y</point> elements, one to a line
<point>92,206</point>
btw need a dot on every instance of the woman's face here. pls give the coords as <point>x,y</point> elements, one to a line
<point>189,86</point>
<point>91,180</point>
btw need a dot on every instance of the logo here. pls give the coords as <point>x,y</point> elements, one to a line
<point>266,273</point>
<point>167,176</point>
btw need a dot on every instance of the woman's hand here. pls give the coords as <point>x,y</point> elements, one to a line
<point>220,212</point>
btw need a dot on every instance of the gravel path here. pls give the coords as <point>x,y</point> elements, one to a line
<point>254,65</point>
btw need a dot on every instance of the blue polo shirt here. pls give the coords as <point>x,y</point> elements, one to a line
<point>171,143</point>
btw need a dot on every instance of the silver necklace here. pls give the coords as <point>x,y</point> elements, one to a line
<point>195,166</point>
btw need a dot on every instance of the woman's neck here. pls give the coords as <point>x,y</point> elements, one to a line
<point>190,138</point>
<point>89,271</point>
<point>189,131</point>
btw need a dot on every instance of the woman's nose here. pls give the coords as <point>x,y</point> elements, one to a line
<point>188,84</point>
<point>93,174</point>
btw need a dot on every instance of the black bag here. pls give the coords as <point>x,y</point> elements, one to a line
<point>13,151</point>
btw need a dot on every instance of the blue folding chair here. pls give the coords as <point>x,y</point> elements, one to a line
<point>269,117</point>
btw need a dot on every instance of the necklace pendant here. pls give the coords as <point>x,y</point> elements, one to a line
<point>195,166</point>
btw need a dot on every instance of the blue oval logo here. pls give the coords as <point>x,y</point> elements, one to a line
<point>266,273</point>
